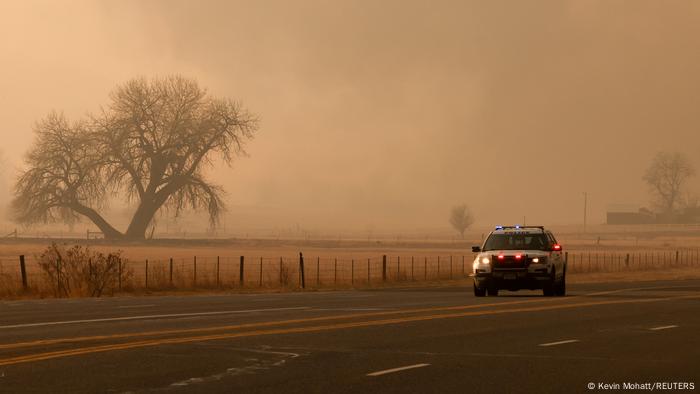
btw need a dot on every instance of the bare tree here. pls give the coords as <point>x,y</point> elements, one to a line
<point>667,176</point>
<point>151,144</point>
<point>461,218</point>
<point>3,179</point>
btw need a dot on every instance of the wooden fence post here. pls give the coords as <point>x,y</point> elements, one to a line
<point>241,271</point>
<point>425,268</point>
<point>171,272</point>
<point>261,270</point>
<point>398,268</point>
<point>384,268</point>
<point>301,271</point>
<point>450,267</point>
<point>412,277</point>
<point>23,270</point>
<point>217,271</point>
<point>318,272</point>
<point>352,272</point>
<point>58,276</point>
<point>368,273</point>
<point>146,274</point>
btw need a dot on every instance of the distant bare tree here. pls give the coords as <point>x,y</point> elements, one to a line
<point>666,176</point>
<point>461,218</point>
<point>3,179</point>
<point>151,144</point>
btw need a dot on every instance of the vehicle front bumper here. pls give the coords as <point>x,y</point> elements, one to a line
<point>513,279</point>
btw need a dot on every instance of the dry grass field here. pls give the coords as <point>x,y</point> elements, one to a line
<point>184,265</point>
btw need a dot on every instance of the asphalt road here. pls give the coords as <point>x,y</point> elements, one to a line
<point>417,340</point>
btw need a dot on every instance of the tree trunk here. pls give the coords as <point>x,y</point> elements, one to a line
<point>150,204</point>
<point>106,228</point>
<point>140,221</point>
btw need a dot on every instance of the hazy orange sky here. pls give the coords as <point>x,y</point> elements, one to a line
<point>387,113</point>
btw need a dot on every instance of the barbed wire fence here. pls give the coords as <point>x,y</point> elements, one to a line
<point>23,275</point>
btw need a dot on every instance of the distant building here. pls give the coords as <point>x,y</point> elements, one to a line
<point>642,216</point>
<point>645,216</point>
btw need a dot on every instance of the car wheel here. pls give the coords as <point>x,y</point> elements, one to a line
<point>492,291</point>
<point>479,291</point>
<point>548,289</point>
<point>561,286</point>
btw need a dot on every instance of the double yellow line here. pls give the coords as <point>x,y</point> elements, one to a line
<point>305,329</point>
<point>46,342</point>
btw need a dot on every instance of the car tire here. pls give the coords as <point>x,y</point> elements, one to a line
<point>492,291</point>
<point>560,289</point>
<point>548,289</point>
<point>479,291</point>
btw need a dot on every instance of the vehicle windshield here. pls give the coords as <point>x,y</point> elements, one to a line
<point>516,241</point>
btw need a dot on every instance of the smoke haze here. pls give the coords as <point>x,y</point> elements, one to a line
<point>386,114</point>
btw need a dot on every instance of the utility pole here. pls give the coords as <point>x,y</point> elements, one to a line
<point>585,207</point>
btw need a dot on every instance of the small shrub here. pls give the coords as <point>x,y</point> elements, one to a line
<point>80,271</point>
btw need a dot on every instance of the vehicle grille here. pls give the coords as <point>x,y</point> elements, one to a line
<point>510,262</point>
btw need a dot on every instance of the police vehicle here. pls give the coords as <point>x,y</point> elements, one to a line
<point>519,257</point>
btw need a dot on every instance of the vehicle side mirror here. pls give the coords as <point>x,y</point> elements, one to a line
<point>476,249</point>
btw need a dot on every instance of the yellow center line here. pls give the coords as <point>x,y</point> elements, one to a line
<point>45,342</point>
<point>278,331</point>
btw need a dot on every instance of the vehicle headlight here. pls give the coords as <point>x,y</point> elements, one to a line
<point>536,260</point>
<point>485,260</point>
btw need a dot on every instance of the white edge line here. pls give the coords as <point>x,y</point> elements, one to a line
<point>388,371</point>
<point>135,306</point>
<point>350,309</point>
<point>558,342</point>
<point>53,323</point>
<point>662,328</point>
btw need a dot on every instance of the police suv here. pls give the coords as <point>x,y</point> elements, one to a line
<point>519,257</point>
